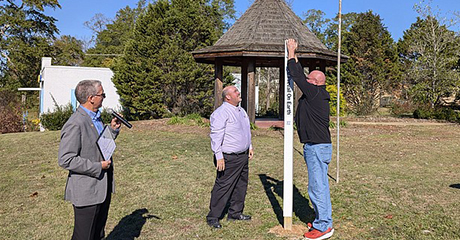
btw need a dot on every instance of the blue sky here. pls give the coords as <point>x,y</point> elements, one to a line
<point>397,15</point>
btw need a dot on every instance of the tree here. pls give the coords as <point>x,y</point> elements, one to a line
<point>315,21</point>
<point>112,36</point>
<point>327,31</point>
<point>97,23</point>
<point>372,68</point>
<point>67,51</point>
<point>332,39</point>
<point>157,74</point>
<point>268,91</point>
<point>25,38</point>
<point>331,32</point>
<point>430,54</point>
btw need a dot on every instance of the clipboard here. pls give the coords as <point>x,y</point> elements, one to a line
<point>106,143</point>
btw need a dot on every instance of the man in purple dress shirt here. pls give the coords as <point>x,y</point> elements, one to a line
<point>231,144</point>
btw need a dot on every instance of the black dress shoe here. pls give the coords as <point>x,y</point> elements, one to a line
<point>214,224</point>
<point>239,217</point>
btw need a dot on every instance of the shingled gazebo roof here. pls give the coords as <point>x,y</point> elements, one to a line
<point>260,33</point>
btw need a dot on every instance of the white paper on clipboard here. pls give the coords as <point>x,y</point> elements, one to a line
<point>106,143</point>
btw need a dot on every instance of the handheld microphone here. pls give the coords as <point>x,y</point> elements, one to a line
<point>123,120</point>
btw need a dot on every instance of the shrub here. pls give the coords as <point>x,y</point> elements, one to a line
<point>333,125</point>
<point>10,112</point>
<point>447,114</point>
<point>332,89</point>
<point>402,107</point>
<point>193,119</point>
<point>443,113</point>
<point>106,116</point>
<point>32,125</point>
<point>55,120</point>
<point>270,112</point>
<point>423,113</point>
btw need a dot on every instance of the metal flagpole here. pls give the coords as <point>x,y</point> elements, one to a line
<point>288,146</point>
<point>338,90</point>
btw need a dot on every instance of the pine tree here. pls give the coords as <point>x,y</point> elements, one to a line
<point>67,51</point>
<point>373,67</point>
<point>157,75</point>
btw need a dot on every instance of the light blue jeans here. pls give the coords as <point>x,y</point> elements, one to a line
<point>318,157</point>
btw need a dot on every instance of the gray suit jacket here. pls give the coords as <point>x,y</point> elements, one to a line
<point>78,152</point>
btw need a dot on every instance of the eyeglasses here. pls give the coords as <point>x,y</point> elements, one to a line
<point>100,95</point>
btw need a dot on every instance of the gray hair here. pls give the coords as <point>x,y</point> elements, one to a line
<point>85,89</point>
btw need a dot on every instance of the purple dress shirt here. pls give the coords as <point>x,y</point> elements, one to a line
<point>230,130</point>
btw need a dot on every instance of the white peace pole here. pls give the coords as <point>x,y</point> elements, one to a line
<point>338,89</point>
<point>288,145</point>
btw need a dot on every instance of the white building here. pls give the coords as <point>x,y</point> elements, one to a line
<point>59,82</point>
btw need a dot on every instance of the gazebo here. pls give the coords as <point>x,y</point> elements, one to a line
<point>257,40</point>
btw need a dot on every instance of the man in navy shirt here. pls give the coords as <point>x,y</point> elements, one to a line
<point>312,121</point>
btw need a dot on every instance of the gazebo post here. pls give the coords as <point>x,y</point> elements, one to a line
<point>218,85</point>
<point>244,84</point>
<point>251,107</point>
<point>322,66</point>
<point>311,66</point>
<point>281,93</point>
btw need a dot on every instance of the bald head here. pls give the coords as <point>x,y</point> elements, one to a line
<point>231,95</point>
<point>317,77</point>
<point>225,91</point>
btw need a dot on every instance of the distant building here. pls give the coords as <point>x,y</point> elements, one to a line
<point>59,82</point>
<point>237,81</point>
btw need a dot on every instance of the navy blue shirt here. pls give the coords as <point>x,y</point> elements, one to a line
<point>312,114</point>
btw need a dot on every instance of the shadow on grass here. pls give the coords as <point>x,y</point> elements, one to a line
<point>130,226</point>
<point>455,185</point>
<point>301,205</point>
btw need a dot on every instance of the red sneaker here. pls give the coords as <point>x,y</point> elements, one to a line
<point>317,235</point>
<point>309,226</point>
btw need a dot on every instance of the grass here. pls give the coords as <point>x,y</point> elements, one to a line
<point>190,120</point>
<point>396,182</point>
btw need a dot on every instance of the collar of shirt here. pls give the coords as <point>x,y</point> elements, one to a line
<point>93,115</point>
<point>228,105</point>
<point>95,118</point>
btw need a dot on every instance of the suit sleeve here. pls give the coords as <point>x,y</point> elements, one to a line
<point>114,132</point>
<point>69,153</point>
<point>297,74</point>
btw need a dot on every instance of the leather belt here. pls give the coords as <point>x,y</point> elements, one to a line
<point>238,153</point>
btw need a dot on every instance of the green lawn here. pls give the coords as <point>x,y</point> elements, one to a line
<point>397,182</point>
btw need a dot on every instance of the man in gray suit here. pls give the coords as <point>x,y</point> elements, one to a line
<point>90,181</point>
